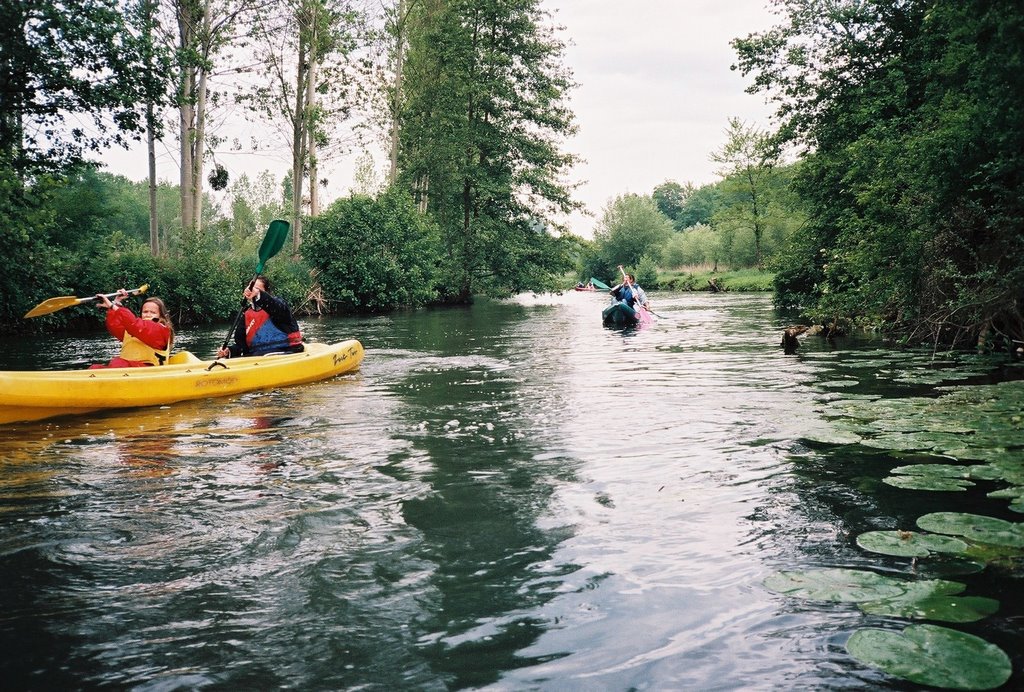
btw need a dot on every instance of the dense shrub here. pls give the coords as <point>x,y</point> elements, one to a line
<point>373,254</point>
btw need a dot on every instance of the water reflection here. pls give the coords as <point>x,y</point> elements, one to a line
<point>507,496</point>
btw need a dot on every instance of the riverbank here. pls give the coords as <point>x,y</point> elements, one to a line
<point>702,279</point>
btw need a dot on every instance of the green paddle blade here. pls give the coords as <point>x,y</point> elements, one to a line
<point>272,242</point>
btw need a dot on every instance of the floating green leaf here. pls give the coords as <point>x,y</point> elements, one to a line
<point>909,543</point>
<point>832,436</point>
<point>933,655</point>
<point>975,527</point>
<point>838,383</point>
<point>922,482</point>
<point>934,470</point>
<point>943,608</point>
<point>1014,494</point>
<point>853,586</point>
<point>907,442</point>
<point>985,472</point>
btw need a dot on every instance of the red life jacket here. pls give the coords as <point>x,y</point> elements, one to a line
<point>262,336</point>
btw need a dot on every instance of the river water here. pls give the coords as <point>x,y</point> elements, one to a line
<point>508,496</point>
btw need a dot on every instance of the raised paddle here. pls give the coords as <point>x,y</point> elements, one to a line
<point>273,241</point>
<point>643,306</point>
<point>54,304</point>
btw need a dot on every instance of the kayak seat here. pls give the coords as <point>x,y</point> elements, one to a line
<point>182,358</point>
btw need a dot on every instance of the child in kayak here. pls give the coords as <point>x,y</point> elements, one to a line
<point>145,340</point>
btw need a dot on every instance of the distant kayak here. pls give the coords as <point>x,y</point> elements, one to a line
<point>619,314</point>
<point>592,285</point>
<point>28,396</point>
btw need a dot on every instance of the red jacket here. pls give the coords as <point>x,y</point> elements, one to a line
<point>123,324</point>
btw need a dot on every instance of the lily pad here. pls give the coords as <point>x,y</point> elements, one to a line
<point>933,470</point>
<point>838,383</point>
<point>975,527</point>
<point>942,608</point>
<point>1014,494</point>
<point>922,482</point>
<point>832,436</point>
<point>907,442</point>
<point>854,586</point>
<point>933,655</point>
<point>909,543</point>
<point>985,472</point>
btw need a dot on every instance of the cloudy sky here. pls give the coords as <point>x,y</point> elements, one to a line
<point>654,97</point>
<point>655,90</point>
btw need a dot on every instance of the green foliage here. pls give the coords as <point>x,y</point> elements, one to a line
<point>201,286</point>
<point>699,206</point>
<point>698,244</point>
<point>373,254</point>
<point>630,229</point>
<point>697,278</point>
<point>671,197</point>
<point>119,262</point>
<point>92,204</point>
<point>480,127</point>
<point>25,223</point>
<point>914,189</point>
<point>646,272</point>
<point>66,64</point>
<point>933,656</point>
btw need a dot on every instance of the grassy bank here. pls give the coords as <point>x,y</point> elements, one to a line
<point>700,278</point>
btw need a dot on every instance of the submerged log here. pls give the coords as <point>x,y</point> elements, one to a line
<point>790,343</point>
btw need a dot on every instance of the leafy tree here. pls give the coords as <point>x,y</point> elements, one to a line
<point>747,160</point>
<point>254,204</point>
<point>699,206</point>
<point>482,117</point>
<point>374,254</point>
<point>697,245</point>
<point>670,197</point>
<point>205,31</point>
<point>630,229</point>
<point>93,205</point>
<point>911,113</point>
<point>61,66</point>
<point>303,47</point>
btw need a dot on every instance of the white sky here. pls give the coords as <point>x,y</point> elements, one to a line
<point>654,97</point>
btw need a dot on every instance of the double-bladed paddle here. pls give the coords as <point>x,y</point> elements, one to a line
<point>273,241</point>
<point>632,287</point>
<point>54,304</point>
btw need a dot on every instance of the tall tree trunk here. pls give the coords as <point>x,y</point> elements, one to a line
<point>192,111</point>
<point>185,115</point>
<point>154,230</point>
<point>314,188</point>
<point>298,137</point>
<point>396,96</point>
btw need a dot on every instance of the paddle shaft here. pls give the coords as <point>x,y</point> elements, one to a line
<point>272,243</point>
<point>54,304</point>
<point>241,311</point>
<point>625,279</point>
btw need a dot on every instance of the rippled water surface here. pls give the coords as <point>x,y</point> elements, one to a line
<point>508,496</point>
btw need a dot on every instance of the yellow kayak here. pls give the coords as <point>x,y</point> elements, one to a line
<point>27,396</point>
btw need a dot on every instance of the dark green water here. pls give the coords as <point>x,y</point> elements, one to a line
<point>505,497</point>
